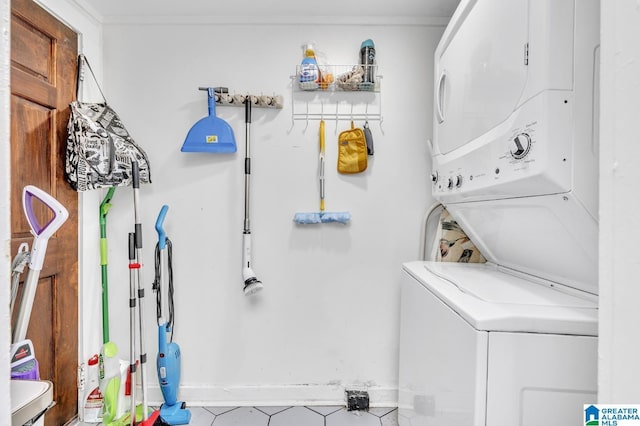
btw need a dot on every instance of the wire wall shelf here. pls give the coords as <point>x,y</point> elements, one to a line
<point>347,97</point>
<point>344,78</point>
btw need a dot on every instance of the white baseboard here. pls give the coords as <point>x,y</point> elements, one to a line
<point>276,395</point>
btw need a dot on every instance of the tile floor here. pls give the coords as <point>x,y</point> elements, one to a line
<point>292,416</point>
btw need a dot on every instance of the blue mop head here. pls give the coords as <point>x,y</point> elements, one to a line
<point>321,217</point>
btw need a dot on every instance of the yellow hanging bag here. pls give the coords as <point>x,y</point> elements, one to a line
<point>352,151</point>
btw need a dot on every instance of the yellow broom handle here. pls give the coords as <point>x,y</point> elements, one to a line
<point>321,165</point>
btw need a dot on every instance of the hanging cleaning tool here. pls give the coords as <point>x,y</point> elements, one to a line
<point>109,371</point>
<point>105,205</point>
<point>173,412</point>
<point>306,218</point>
<point>133,365</point>
<point>252,284</point>
<point>23,362</point>
<point>136,283</point>
<point>211,133</point>
<point>136,414</point>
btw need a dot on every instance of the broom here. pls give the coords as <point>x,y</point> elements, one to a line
<point>306,218</point>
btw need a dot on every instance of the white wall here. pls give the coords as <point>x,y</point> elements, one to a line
<point>619,371</point>
<point>328,317</point>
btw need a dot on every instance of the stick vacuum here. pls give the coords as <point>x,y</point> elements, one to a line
<point>173,412</point>
<point>23,362</point>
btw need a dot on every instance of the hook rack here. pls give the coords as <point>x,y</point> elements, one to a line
<point>224,98</point>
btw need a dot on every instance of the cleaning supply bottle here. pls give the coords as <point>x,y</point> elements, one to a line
<point>309,66</point>
<point>367,60</point>
<point>91,409</point>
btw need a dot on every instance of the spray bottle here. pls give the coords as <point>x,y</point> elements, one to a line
<point>91,404</point>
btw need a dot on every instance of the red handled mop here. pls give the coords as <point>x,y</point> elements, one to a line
<point>133,266</point>
<point>135,278</point>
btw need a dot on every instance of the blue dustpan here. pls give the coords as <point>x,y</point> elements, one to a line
<point>210,134</point>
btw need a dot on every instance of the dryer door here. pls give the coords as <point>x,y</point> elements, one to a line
<point>480,71</point>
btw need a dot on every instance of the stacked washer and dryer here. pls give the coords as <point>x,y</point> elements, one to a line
<point>510,342</point>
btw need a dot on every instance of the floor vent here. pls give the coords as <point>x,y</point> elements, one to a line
<point>357,400</point>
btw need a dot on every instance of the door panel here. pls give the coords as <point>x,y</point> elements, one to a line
<point>31,164</point>
<point>31,49</point>
<point>43,69</point>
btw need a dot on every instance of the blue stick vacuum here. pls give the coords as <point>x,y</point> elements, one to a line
<point>173,412</point>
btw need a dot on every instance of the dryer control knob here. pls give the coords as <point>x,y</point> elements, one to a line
<point>520,146</point>
<point>434,177</point>
<point>450,183</point>
<point>458,181</point>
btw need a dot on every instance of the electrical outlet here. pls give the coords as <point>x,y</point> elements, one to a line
<point>357,400</point>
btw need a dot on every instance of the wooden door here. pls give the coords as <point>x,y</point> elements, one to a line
<point>43,72</point>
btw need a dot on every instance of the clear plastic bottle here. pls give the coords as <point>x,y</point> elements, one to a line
<point>309,66</point>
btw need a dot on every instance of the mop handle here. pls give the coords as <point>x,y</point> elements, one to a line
<point>135,171</point>
<point>105,206</point>
<point>133,265</point>
<point>41,233</point>
<point>162,236</point>
<point>321,176</point>
<point>247,164</point>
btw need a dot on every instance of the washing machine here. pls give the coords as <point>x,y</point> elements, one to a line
<point>481,346</point>
<point>512,341</point>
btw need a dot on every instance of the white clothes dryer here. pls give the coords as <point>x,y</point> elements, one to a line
<point>515,144</point>
<point>512,342</point>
